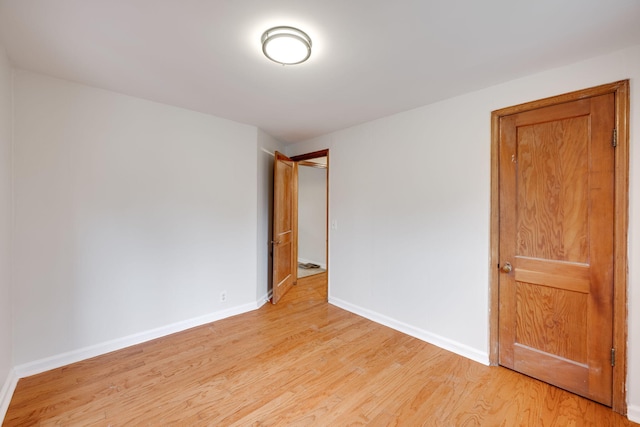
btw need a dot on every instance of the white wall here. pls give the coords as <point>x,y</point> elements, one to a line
<point>6,341</point>
<point>129,216</point>
<point>411,196</point>
<point>267,146</point>
<point>312,215</point>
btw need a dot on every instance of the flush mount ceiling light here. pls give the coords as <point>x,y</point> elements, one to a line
<point>286,45</point>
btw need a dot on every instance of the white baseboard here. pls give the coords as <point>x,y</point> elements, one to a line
<point>265,298</point>
<point>633,413</point>
<point>39,366</point>
<point>437,340</point>
<point>6,393</point>
<point>57,361</point>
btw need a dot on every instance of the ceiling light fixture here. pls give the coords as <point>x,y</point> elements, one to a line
<point>286,45</point>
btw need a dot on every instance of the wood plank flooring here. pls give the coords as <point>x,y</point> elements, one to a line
<point>301,362</point>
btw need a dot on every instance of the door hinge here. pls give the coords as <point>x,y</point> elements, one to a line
<point>614,139</point>
<point>613,357</point>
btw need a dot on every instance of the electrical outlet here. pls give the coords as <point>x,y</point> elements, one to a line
<point>223,296</point>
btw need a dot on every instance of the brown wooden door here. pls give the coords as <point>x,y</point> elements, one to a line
<point>556,180</point>
<point>284,213</point>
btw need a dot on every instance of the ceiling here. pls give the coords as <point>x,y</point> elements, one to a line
<point>370,58</point>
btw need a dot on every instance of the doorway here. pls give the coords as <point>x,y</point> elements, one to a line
<point>312,217</point>
<point>312,220</point>
<point>558,241</point>
<point>300,223</point>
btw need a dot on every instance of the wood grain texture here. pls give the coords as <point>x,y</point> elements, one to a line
<point>552,210</point>
<point>556,305</point>
<point>301,362</point>
<point>575,375</point>
<point>621,226</point>
<point>285,247</point>
<point>601,253</point>
<point>552,321</point>
<point>621,91</point>
<point>558,274</point>
<point>508,229</point>
<point>317,283</point>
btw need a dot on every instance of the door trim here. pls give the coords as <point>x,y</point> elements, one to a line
<point>313,155</point>
<point>621,225</point>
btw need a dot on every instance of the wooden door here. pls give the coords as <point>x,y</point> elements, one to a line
<point>556,236</point>
<point>285,264</point>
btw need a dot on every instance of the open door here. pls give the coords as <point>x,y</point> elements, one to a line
<point>285,270</point>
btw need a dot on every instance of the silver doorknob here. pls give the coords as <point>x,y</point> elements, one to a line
<point>507,267</point>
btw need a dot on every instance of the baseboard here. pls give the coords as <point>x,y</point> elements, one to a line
<point>633,413</point>
<point>7,393</point>
<point>265,298</point>
<point>53,362</point>
<point>437,340</point>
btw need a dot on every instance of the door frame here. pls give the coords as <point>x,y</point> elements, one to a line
<point>621,225</point>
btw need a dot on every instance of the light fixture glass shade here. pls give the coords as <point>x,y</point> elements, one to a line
<point>286,45</point>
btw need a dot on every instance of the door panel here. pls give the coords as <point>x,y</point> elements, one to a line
<point>556,180</point>
<point>284,256</point>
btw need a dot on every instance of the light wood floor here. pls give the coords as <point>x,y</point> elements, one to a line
<point>301,362</point>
